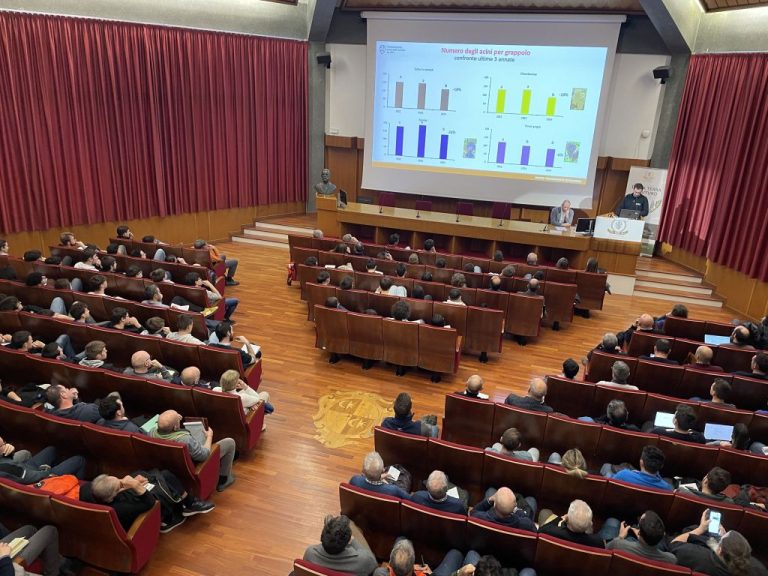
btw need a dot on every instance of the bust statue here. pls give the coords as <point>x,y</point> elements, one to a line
<point>325,186</point>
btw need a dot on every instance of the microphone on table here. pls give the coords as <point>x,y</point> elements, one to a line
<point>457,216</point>
<point>546,228</point>
<point>381,208</point>
<point>417,214</point>
<point>501,221</point>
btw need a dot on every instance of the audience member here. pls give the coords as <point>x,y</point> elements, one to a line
<point>403,419</point>
<point>374,478</point>
<point>66,404</point>
<point>644,323</point>
<point>155,326</point>
<point>712,486</point>
<point>651,463</point>
<point>683,421</point>
<point>741,338</point>
<point>576,526</point>
<point>473,387</point>
<point>342,548</point>
<point>619,376</point>
<point>229,263</point>
<point>22,467</point>
<point>501,508</point>
<point>42,544</point>
<point>96,356</point>
<point>122,320</point>
<point>703,360</point>
<point>510,444</point>
<point>113,415</point>
<point>454,297</point>
<point>570,369</point>
<point>436,495</point>
<point>225,337</point>
<point>90,260</point>
<point>616,415</point>
<point>534,399</point>
<point>678,311</point>
<point>661,349</point>
<point>143,365</point>
<point>184,327</point>
<point>759,366</point>
<point>231,383</point>
<point>645,539</point>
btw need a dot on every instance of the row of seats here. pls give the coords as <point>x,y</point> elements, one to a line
<point>474,424</point>
<point>177,270</point>
<point>576,399</point>
<point>679,381</point>
<point>695,329</point>
<point>384,518</point>
<point>190,255</point>
<point>406,344</point>
<point>212,361</point>
<point>89,532</point>
<point>130,288</point>
<point>101,307</point>
<point>521,315</point>
<point>223,411</point>
<point>729,358</point>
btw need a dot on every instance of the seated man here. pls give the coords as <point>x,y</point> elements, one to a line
<point>122,320</point>
<point>57,310</point>
<point>644,540</point>
<point>68,239</point>
<point>474,387</point>
<point>616,415</point>
<point>741,338</point>
<point>96,356</point>
<point>225,337</point>
<point>495,283</point>
<point>436,495</point>
<point>532,259</point>
<point>113,415</point>
<point>719,393</point>
<point>370,267</point>
<point>501,508</point>
<point>159,254</point>
<point>153,296</point>
<point>80,313</point>
<point>23,341</point>
<point>90,261</point>
<point>403,419</point>
<point>374,478</point>
<point>703,357</point>
<point>155,326</point>
<point>576,526</point>
<point>184,326</point>
<point>66,404</point>
<point>619,376</point>
<point>212,293</point>
<point>132,495</point>
<point>661,350</point>
<point>534,400</point>
<point>386,286</point>
<point>759,367</point>
<point>532,289</point>
<point>609,345</point>
<point>342,548</point>
<point>712,486</point>
<point>42,544</point>
<point>169,428</point>
<point>570,368</point>
<point>683,421</point>
<point>510,445</point>
<point>142,364</point>
<point>458,280</point>
<point>644,323</point>
<point>678,311</point>
<point>323,278</point>
<point>651,463</point>
<point>454,297</point>
<point>333,302</point>
<point>20,466</point>
<point>400,311</point>
<point>229,263</point>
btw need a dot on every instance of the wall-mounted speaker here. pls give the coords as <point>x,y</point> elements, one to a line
<point>324,58</point>
<point>661,73</point>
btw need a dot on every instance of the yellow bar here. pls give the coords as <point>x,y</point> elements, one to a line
<point>525,107</point>
<point>551,102</point>
<point>500,99</point>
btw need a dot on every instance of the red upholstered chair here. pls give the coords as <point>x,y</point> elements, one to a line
<point>377,515</point>
<point>499,470</point>
<point>110,451</point>
<point>226,416</point>
<point>682,347</point>
<point>733,359</point>
<point>524,315</point>
<point>531,424</point>
<point>642,343</point>
<point>304,568</point>
<point>353,300</point>
<point>509,546</point>
<point>559,489</point>
<point>600,364</point>
<point>591,289</point>
<point>554,555</point>
<point>561,276</point>
<point>439,350</point>
<point>401,342</point>
<point>462,464</point>
<point>617,445</point>
<point>432,532</point>
<point>559,299</point>
<point>685,328</point>
<point>758,428</point>
<point>423,205</point>
<point>634,400</point>
<point>696,383</point>
<point>745,467</point>
<point>495,300</point>
<point>627,501</point>
<point>484,331</point>
<point>754,527</point>
<point>686,510</point>
<point>749,393</point>
<point>331,329</point>
<point>571,397</point>
<point>563,432</point>
<point>27,502</point>
<point>686,459</point>
<point>454,315</point>
<point>468,420</point>
<point>500,211</point>
<point>465,208</point>
<point>708,412</point>
<point>661,403</point>
<point>628,564</point>
<point>657,377</point>
<point>406,449</point>
<point>366,339</point>
<point>718,328</point>
<point>317,294</point>
<point>387,199</point>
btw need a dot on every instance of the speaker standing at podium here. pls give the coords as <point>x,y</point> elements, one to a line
<point>634,201</point>
<point>561,215</point>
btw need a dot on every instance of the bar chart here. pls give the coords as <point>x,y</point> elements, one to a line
<point>435,108</point>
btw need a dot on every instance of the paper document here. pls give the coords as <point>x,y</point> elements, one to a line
<point>454,492</point>
<point>393,473</point>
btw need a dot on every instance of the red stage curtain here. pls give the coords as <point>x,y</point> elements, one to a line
<point>104,121</point>
<point>717,200</point>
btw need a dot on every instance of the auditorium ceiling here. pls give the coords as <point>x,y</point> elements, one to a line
<point>602,6</point>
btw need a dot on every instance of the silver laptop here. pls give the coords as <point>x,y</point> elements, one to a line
<point>716,340</point>
<point>718,432</point>
<point>664,420</point>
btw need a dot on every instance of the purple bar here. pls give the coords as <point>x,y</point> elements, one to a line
<point>399,141</point>
<point>443,146</point>
<point>422,140</point>
<point>500,152</point>
<point>525,156</point>
<point>550,158</point>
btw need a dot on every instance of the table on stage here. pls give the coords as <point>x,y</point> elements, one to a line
<point>474,235</point>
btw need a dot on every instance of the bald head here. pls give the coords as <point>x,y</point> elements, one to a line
<point>139,359</point>
<point>740,335</point>
<point>437,485</point>
<point>190,376</point>
<point>537,389</point>
<point>168,421</point>
<point>504,502</point>
<point>533,284</point>
<point>704,355</point>
<point>645,322</point>
<point>532,259</point>
<point>475,383</point>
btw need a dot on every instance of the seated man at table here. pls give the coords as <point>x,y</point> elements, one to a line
<point>651,463</point>
<point>374,478</point>
<point>342,548</point>
<point>561,215</point>
<point>436,495</point>
<point>661,350</point>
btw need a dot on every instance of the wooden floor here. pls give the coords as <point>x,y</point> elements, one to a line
<point>288,484</point>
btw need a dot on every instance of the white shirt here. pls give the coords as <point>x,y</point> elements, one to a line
<point>84,266</point>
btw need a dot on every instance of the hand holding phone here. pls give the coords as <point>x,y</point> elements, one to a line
<point>714,522</point>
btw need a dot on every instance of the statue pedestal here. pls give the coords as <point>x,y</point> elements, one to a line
<point>327,215</point>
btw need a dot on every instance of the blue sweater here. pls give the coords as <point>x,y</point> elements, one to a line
<point>449,504</point>
<point>642,479</point>
<point>389,489</point>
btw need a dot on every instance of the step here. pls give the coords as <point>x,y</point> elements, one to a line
<point>677,297</point>
<point>674,285</point>
<point>262,235</point>
<point>257,242</point>
<point>284,229</point>
<point>669,276</point>
<point>662,266</point>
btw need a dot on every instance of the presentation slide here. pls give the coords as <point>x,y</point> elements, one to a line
<point>519,112</point>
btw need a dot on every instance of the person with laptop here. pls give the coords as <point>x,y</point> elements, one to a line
<point>561,215</point>
<point>635,201</point>
<point>683,421</point>
<point>711,486</point>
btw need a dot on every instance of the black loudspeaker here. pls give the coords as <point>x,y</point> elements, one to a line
<point>324,58</point>
<point>660,73</point>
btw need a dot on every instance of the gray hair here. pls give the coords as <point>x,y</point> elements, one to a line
<point>579,517</point>
<point>610,341</point>
<point>103,488</point>
<point>317,234</point>
<point>437,484</point>
<point>620,372</point>
<point>402,558</point>
<point>373,466</point>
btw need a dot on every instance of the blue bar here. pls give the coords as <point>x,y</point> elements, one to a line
<point>444,147</point>
<point>525,156</point>
<point>422,140</point>
<point>550,158</point>
<point>501,152</point>
<point>399,141</point>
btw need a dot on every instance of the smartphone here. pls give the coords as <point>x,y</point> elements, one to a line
<point>714,522</point>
